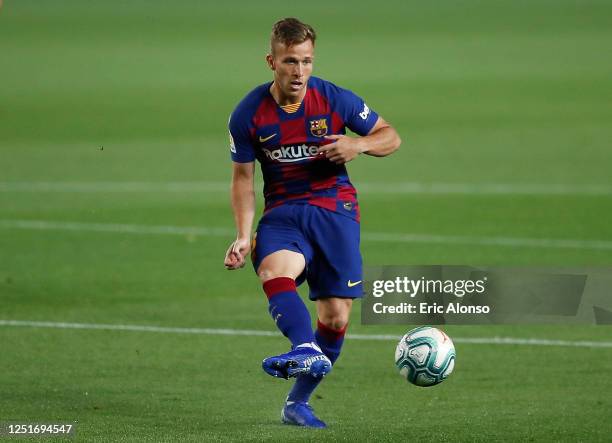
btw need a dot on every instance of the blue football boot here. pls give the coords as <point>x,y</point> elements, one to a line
<point>305,359</point>
<point>300,414</point>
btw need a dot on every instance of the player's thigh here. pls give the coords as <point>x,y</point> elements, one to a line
<point>279,246</point>
<point>283,263</point>
<point>334,312</point>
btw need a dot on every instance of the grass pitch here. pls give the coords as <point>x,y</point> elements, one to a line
<point>116,101</point>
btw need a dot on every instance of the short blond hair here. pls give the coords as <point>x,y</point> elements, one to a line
<point>291,31</point>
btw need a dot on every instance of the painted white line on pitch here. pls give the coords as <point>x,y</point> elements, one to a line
<point>487,241</point>
<point>365,187</point>
<point>121,228</point>
<point>114,187</point>
<point>260,333</point>
<point>383,237</point>
<point>484,189</point>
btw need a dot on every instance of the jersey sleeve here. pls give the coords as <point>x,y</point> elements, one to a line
<point>241,144</point>
<point>357,116</point>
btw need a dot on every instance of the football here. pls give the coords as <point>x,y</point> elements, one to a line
<point>425,356</point>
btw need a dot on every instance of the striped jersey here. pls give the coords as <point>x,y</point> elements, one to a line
<point>285,141</point>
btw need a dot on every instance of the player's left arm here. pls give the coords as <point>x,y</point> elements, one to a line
<point>381,141</point>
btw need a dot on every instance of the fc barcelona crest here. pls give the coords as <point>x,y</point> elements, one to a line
<point>318,128</point>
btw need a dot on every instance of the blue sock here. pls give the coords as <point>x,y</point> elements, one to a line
<point>330,341</point>
<point>288,310</point>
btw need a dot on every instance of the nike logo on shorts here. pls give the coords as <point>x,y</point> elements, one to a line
<point>350,284</point>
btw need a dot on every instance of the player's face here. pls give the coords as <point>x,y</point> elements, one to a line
<point>292,66</point>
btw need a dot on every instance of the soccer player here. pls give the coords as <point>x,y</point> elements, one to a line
<point>295,127</point>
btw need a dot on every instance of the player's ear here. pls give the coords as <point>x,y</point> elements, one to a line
<point>270,61</point>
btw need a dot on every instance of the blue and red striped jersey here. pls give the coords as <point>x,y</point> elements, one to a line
<point>286,144</point>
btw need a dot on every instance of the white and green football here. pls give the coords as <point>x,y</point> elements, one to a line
<point>425,356</point>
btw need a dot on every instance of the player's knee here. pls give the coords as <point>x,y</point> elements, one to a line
<point>336,323</point>
<point>336,320</point>
<point>335,312</point>
<point>267,274</point>
<point>282,263</point>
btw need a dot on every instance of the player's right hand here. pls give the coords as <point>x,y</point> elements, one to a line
<point>235,257</point>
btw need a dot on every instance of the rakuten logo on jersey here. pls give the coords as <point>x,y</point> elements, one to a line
<point>288,154</point>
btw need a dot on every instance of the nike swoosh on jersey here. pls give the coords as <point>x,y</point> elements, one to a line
<point>265,139</point>
<point>350,284</point>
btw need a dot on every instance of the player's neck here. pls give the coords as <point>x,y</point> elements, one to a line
<point>282,99</point>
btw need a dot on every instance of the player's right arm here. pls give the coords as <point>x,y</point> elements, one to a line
<point>243,205</point>
<point>242,189</point>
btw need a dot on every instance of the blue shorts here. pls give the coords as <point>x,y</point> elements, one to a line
<point>328,241</point>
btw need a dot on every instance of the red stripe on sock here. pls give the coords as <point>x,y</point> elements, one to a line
<point>331,333</point>
<point>277,285</point>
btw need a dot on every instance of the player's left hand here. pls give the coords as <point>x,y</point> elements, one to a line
<point>342,150</point>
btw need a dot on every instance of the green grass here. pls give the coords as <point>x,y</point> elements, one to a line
<point>481,92</point>
<point>147,386</point>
